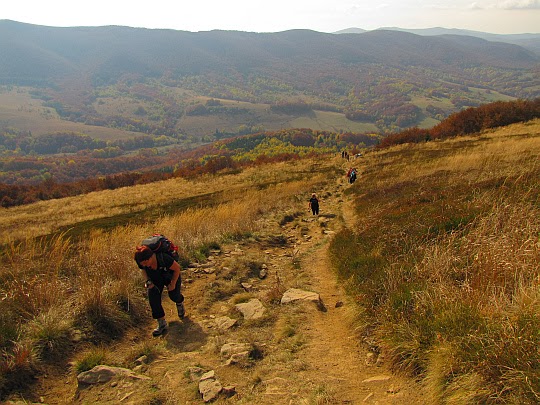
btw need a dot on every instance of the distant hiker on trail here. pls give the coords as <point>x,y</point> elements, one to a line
<point>160,269</point>
<point>314,204</point>
<point>351,175</point>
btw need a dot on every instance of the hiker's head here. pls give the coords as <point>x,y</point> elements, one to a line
<point>142,254</point>
<point>314,195</point>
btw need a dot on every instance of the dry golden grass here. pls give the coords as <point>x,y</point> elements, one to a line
<point>46,217</point>
<point>473,158</point>
<point>446,258</point>
<point>51,286</point>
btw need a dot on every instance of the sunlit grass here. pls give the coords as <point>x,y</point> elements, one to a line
<point>446,258</point>
<point>132,204</point>
<point>84,280</point>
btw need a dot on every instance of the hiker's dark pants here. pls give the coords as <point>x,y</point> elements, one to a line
<point>315,209</point>
<point>154,297</point>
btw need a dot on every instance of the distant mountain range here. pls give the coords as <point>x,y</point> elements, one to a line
<point>32,52</point>
<point>389,78</point>
<point>528,41</point>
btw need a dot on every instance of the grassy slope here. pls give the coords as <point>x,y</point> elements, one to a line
<point>445,258</point>
<point>19,110</point>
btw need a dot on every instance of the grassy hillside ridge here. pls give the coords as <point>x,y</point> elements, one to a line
<point>445,258</point>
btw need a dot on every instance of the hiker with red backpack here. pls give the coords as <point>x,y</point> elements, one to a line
<point>157,257</point>
<point>351,175</point>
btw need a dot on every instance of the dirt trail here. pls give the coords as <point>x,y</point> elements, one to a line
<point>344,366</point>
<point>304,355</point>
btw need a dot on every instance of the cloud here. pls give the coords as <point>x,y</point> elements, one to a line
<point>475,6</point>
<point>518,5</point>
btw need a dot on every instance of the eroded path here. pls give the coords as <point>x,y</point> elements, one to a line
<point>345,368</point>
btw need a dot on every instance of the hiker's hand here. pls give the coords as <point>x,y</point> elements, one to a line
<point>171,287</point>
<point>148,284</point>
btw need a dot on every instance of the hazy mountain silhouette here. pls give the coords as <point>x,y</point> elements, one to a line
<point>529,41</point>
<point>33,53</point>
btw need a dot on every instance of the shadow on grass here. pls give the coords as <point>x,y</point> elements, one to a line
<point>185,336</point>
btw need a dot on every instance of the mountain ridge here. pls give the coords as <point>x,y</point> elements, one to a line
<point>157,81</point>
<point>158,50</point>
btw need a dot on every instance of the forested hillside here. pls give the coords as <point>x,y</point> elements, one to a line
<point>27,179</point>
<point>181,87</point>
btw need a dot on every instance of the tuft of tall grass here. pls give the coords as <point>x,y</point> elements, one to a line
<point>93,357</point>
<point>48,333</point>
<point>17,368</point>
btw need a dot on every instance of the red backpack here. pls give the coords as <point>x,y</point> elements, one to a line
<point>161,244</point>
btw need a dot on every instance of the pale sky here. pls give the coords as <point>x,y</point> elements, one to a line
<point>494,16</point>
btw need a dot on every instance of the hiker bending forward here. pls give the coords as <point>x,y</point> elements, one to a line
<point>160,270</point>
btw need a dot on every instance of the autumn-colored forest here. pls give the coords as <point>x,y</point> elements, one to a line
<point>28,179</point>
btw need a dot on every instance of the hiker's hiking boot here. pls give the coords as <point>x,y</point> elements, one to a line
<point>161,328</point>
<point>181,310</point>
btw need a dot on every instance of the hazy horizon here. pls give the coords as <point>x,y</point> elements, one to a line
<point>490,16</point>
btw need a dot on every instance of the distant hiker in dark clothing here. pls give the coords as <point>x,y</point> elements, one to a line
<point>314,204</point>
<point>160,270</point>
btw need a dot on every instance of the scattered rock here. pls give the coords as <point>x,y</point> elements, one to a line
<point>228,349</point>
<point>295,294</point>
<point>103,374</point>
<point>241,358</point>
<point>339,304</point>
<point>246,286</point>
<point>195,373</point>
<point>208,375</point>
<point>393,389</point>
<point>229,390</point>
<point>224,323</point>
<point>142,360</point>
<point>210,389</point>
<point>377,378</point>
<point>253,309</point>
<point>141,368</point>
